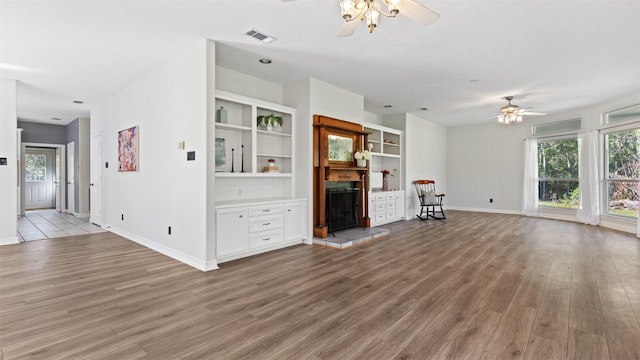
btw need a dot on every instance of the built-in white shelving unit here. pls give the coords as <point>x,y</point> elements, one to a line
<point>386,154</point>
<point>255,209</point>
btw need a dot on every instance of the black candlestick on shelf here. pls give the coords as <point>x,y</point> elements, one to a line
<point>232,150</point>
<point>242,160</point>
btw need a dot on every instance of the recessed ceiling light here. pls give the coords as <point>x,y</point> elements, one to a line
<point>387,106</point>
<point>265,61</point>
<point>78,102</point>
<point>55,118</point>
<point>424,108</point>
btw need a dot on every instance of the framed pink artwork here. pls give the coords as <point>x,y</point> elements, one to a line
<point>128,142</point>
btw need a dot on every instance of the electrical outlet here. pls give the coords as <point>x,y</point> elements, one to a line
<point>491,200</point>
<point>169,230</point>
<point>122,217</point>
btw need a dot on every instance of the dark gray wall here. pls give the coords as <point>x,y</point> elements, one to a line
<point>43,133</point>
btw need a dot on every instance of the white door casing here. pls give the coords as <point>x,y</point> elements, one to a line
<point>71,187</point>
<point>95,186</point>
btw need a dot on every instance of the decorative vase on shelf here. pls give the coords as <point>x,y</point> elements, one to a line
<point>221,115</point>
<point>361,163</point>
<point>385,182</point>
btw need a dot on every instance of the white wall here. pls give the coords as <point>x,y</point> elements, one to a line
<point>424,155</point>
<point>334,102</point>
<point>485,161</point>
<point>247,85</point>
<point>9,172</point>
<point>169,105</point>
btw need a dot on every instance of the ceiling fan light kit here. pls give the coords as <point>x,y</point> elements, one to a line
<point>370,11</point>
<point>510,113</point>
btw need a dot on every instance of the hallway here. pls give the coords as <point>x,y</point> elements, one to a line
<point>47,224</point>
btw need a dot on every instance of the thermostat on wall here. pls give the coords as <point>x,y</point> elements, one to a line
<point>3,161</point>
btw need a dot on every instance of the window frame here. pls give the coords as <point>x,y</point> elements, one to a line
<point>564,136</point>
<point>605,181</point>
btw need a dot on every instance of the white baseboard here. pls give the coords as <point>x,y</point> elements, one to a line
<point>497,211</point>
<point>605,221</point>
<point>9,240</point>
<point>197,263</point>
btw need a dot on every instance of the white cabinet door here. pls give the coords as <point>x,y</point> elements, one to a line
<point>295,221</point>
<point>231,231</point>
<point>400,203</point>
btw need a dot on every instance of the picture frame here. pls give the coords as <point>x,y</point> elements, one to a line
<point>221,155</point>
<point>128,149</point>
<point>340,148</point>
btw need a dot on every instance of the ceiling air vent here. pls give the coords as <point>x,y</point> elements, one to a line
<point>259,35</point>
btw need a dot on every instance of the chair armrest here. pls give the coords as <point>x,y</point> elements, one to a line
<point>439,195</point>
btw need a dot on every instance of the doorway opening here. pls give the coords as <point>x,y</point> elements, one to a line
<point>42,177</point>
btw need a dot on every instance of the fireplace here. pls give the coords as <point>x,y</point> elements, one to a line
<point>342,206</point>
<point>340,197</point>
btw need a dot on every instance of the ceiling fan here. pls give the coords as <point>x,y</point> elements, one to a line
<point>513,114</point>
<point>370,11</point>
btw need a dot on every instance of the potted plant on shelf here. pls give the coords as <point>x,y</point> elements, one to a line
<point>362,157</point>
<point>269,121</point>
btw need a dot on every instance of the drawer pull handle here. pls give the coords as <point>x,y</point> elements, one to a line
<point>240,216</point>
<point>265,224</point>
<point>267,210</point>
<point>266,239</point>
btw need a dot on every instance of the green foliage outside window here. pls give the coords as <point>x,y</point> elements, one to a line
<point>35,167</point>
<point>623,155</point>
<point>558,172</point>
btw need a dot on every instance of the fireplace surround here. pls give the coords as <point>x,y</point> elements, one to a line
<point>334,142</point>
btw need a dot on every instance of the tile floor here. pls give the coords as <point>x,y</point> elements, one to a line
<point>350,237</point>
<point>46,224</point>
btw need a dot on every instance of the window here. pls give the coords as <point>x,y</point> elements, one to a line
<point>558,173</point>
<point>622,156</point>
<point>35,167</point>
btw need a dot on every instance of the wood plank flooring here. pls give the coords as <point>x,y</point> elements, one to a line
<point>475,286</point>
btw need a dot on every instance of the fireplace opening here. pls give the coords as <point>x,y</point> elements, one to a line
<point>343,205</point>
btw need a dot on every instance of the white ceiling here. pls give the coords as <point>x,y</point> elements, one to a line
<point>552,55</point>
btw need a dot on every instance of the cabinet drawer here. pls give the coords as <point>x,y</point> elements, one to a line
<point>380,207</point>
<point>378,197</point>
<point>265,210</point>
<point>391,205</point>
<point>265,239</point>
<point>391,214</point>
<point>380,216</point>
<point>264,223</point>
<point>391,196</point>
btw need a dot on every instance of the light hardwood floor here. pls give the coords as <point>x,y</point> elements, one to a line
<point>475,286</point>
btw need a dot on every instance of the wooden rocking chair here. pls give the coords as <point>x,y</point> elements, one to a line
<point>426,190</point>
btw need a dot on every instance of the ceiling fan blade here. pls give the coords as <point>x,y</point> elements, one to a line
<point>533,113</point>
<point>418,13</point>
<point>348,28</point>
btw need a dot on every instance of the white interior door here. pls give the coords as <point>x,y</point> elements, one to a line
<point>39,170</point>
<point>56,181</point>
<point>95,189</point>
<point>71,186</point>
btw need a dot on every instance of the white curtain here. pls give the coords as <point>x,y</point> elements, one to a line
<point>589,209</point>
<point>530,183</point>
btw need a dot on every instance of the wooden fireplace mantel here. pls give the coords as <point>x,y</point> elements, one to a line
<point>325,169</point>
